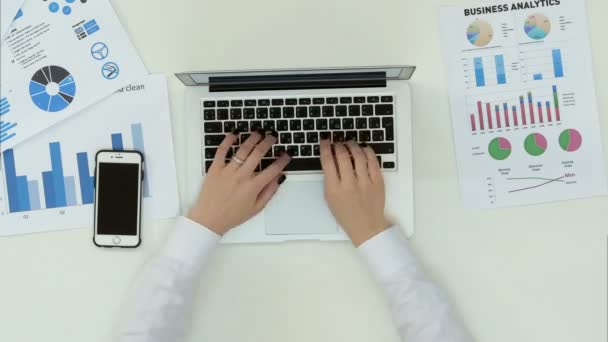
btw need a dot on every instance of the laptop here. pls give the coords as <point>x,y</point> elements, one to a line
<point>368,104</point>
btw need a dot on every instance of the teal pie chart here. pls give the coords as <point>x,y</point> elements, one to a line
<point>52,89</point>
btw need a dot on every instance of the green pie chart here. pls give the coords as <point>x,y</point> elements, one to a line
<point>535,144</point>
<point>500,148</point>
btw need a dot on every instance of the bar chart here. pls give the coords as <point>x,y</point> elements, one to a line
<point>535,107</point>
<point>544,64</point>
<point>486,71</point>
<point>55,188</point>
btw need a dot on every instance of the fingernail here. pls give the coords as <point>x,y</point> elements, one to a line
<point>324,135</point>
<point>363,144</point>
<point>284,153</point>
<point>236,131</point>
<point>275,134</point>
<point>282,179</point>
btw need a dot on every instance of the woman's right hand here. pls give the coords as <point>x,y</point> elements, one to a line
<point>355,194</point>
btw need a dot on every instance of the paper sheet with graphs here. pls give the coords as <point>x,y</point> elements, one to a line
<point>523,102</point>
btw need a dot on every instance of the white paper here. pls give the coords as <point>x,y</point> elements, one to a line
<point>539,50</point>
<point>9,9</point>
<point>141,106</point>
<point>58,58</point>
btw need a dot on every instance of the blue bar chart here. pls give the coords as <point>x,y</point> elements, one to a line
<point>6,127</point>
<point>53,188</point>
<point>489,71</point>
<point>538,65</point>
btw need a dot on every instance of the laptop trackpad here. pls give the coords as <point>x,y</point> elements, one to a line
<point>299,208</point>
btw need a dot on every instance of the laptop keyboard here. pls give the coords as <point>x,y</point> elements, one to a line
<point>300,123</point>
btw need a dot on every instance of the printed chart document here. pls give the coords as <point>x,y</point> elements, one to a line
<point>9,10</point>
<point>46,183</point>
<point>523,102</point>
<point>58,58</point>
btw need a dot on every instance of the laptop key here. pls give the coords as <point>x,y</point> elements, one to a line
<point>316,150</point>
<point>236,103</point>
<point>288,112</point>
<point>244,137</point>
<point>386,99</point>
<point>299,138</point>
<point>213,127</point>
<point>305,101</point>
<point>304,164</point>
<point>291,102</point>
<point>367,110</point>
<point>261,113</point>
<point>209,104</point>
<point>374,122</point>
<point>275,112</point>
<point>251,103</point>
<point>305,151</point>
<point>249,113</point>
<point>361,123</point>
<point>318,100</point>
<point>243,126</point>
<point>388,165</point>
<point>279,150</point>
<point>229,126</point>
<point>341,111</point>
<point>236,113</point>
<point>308,125</point>
<point>348,123</point>
<point>277,102</point>
<point>208,164</point>
<point>351,135</point>
<point>269,125</point>
<point>328,111</point>
<point>335,124</point>
<point>359,99</point>
<point>222,114</point>
<point>332,100</point>
<point>214,139</point>
<point>210,153</point>
<point>389,129</point>
<point>312,137</point>
<point>285,138</point>
<point>346,100</point>
<point>354,110</point>
<point>223,104</point>
<point>365,136</point>
<point>321,124</point>
<point>301,112</point>
<point>255,125</point>
<point>378,135</point>
<point>295,125</point>
<point>264,103</point>
<point>293,150</point>
<point>373,99</point>
<point>282,125</point>
<point>383,148</point>
<point>338,136</point>
<point>315,112</point>
<point>209,114</point>
<point>384,109</point>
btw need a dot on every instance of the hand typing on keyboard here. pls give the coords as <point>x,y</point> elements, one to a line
<point>355,194</point>
<point>233,192</point>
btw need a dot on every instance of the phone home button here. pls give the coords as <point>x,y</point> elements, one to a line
<point>116,240</point>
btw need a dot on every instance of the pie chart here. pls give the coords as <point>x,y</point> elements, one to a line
<point>52,89</point>
<point>570,140</point>
<point>535,144</point>
<point>500,148</point>
<point>537,26</point>
<point>480,33</point>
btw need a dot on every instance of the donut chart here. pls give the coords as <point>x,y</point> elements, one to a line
<point>537,26</point>
<point>570,140</point>
<point>535,144</point>
<point>52,88</point>
<point>500,148</point>
<point>480,33</point>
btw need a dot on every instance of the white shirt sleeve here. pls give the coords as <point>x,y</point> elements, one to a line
<point>157,308</point>
<point>420,309</point>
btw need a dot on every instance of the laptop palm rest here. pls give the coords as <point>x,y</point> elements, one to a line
<point>299,208</point>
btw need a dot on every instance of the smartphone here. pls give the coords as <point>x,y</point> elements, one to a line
<point>118,192</point>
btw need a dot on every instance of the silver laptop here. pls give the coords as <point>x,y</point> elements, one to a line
<point>369,104</point>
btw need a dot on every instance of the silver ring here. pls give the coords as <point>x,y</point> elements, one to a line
<point>237,160</point>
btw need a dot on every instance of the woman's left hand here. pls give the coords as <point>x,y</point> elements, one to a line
<point>233,192</point>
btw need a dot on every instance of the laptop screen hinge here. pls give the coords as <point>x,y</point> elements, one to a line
<point>300,81</point>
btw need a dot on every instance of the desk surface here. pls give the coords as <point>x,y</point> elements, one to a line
<point>523,274</point>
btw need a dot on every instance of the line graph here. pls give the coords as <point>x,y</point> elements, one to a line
<point>544,182</point>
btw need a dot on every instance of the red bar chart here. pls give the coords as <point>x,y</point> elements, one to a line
<point>495,115</point>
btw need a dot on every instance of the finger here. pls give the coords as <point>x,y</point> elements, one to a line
<point>373,165</point>
<point>256,155</point>
<point>268,193</point>
<point>328,162</point>
<point>360,159</point>
<point>245,149</point>
<point>345,166</point>
<point>224,149</point>
<point>273,171</point>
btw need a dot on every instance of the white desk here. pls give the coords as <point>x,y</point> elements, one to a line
<point>526,274</point>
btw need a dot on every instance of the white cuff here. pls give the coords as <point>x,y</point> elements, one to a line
<point>386,253</point>
<point>190,243</point>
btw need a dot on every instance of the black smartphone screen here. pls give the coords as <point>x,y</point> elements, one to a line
<point>117,198</point>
